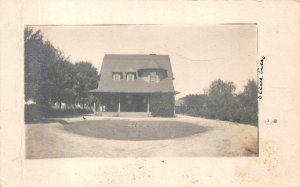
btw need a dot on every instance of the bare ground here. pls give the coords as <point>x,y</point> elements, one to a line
<point>220,139</point>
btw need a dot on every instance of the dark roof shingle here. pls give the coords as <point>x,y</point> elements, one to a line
<point>133,63</point>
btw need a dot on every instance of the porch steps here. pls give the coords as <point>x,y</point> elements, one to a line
<point>123,114</point>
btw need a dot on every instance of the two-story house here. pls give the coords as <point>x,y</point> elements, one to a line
<point>127,82</point>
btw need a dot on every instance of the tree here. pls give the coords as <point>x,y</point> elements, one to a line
<point>35,82</point>
<point>194,105</point>
<point>86,79</point>
<point>248,99</point>
<point>61,80</point>
<point>222,103</point>
<point>50,77</point>
<point>38,59</point>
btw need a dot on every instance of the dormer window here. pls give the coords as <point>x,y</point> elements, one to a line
<point>117,76</point>
<point>130,76</point>
<point>153,77</point>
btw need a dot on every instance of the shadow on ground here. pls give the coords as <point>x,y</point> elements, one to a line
<point>51,120</point>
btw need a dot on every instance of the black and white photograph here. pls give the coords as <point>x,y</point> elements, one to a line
<point>141,91</point>
<point>149,93</point>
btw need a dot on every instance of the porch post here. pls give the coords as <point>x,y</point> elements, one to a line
<point>94,107</point>
<point>148,104</point>
<point>119,105</point>
<point>174,112</point>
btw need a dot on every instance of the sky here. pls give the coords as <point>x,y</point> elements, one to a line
<point>199,54</point>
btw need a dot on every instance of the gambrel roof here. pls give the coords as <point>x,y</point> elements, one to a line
<point>134,63</point>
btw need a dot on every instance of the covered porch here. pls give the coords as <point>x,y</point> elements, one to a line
<point>111,103</point>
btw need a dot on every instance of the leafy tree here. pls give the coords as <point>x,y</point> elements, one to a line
<point>86,79</point>
<point>35,82</point>
<point>61,77</point>
<point>39,56</point>
<point>221,100</point>
<point>248,99</point>
<point>48,74</point>
<point>50,77</point>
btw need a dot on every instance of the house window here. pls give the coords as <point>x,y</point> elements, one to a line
<point>116,76</point>
<point>130,76</point>
<point>153,77</point>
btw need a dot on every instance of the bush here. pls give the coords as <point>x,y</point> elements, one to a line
<point>162,105</point>
<point>40,113</point>
<point>36,113</point>
<point>250,115</point>
<point>194,105</point>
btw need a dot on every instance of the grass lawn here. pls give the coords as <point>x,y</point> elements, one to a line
<point>133,130</point>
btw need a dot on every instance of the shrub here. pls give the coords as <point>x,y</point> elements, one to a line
<point>36,113</point>
<point>162,105</point>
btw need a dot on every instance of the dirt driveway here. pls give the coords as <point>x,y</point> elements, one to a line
<point>221,139</point>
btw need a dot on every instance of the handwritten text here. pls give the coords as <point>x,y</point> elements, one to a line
<point>260,77</point>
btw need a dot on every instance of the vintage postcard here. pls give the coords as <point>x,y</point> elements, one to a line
<point>141,91</point>
<point>182,93</point>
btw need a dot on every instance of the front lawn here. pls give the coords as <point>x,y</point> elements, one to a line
<point>133,130</point>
